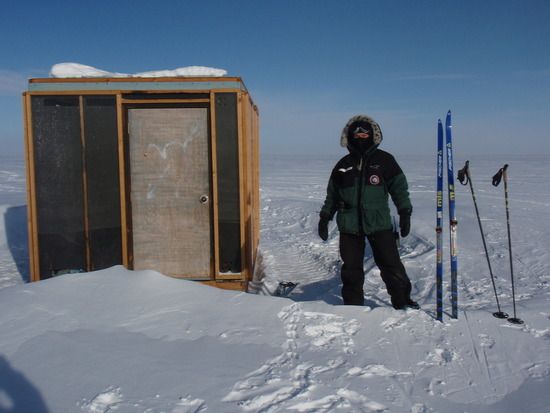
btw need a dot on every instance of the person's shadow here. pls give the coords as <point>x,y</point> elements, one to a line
<point>17,394</point>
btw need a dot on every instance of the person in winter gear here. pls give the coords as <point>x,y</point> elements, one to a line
<point>357,192</point>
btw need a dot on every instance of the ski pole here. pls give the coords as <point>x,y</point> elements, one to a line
<point>501,174</point>
<point>464,178</point>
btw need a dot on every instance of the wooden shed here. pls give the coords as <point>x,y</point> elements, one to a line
<point>151,173</point>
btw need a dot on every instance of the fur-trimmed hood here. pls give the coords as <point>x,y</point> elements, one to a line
<point>377,132</point>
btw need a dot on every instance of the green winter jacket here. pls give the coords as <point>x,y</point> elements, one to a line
<point>360,186</point>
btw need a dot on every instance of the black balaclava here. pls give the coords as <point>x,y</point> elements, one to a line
<point>361,143</point>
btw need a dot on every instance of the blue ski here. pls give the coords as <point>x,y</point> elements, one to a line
<point>452,216</point>
<point>439,218</point>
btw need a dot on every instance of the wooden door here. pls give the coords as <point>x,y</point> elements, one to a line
<point>170,190</point>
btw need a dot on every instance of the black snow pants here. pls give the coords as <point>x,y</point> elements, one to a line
<point>386,257</point>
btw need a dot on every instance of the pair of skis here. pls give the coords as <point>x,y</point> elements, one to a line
<point>452,219</point>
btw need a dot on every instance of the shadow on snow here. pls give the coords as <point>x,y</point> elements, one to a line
<point>15,221</point>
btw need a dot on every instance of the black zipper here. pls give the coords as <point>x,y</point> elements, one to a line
<point>359,194</point>
<point>364,166</point>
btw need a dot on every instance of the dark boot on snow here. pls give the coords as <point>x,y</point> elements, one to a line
<point>409,304</point>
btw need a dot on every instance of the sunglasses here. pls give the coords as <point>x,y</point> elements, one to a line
<point>361,133</point>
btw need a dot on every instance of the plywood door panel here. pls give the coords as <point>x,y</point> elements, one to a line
<point>170,178</point>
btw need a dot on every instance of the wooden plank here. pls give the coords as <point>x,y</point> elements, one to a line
<point>242,183</point>
<point>252,177</point>
<point>189,79</point>
<point>122,181</point>
<point>257,173</point>
<point>228,285</point>
<point>214,169</point>
<point>105,92</point>
<point>254,180</point>
<point>31,195</point>
<point>71,92</point>
<point>255,183</point>
<point>247,183</point>
<point>164,101</point>
<point>132,87</point>
<point>85,186</point>
<point>116,91</point>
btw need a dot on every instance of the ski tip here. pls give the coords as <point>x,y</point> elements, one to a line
<point>439,121</point>
<point>449,112</point>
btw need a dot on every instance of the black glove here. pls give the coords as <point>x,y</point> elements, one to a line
<point>323,228</point>
<point>405,221</point>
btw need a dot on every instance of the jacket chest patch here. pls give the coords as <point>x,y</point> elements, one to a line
<point>374,180</point>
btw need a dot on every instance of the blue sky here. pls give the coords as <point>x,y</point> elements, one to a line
<point>310,65</point>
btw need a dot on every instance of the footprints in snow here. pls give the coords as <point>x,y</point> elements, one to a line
<point>373,370</point>
<point>315,355</point>
<point>321,369</point>
<point>104,401</point>
<point>439,357</point>
<point>288,377</point>
<point>326,329</point>
<point>112,399</point>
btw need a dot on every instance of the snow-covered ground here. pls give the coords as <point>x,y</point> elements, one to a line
<point>123,341</point>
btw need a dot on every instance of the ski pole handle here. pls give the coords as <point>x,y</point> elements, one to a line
<point>498,176</point>
<point>464,174</point>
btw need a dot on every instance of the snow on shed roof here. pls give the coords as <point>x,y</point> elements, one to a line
<point>77,70</point>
